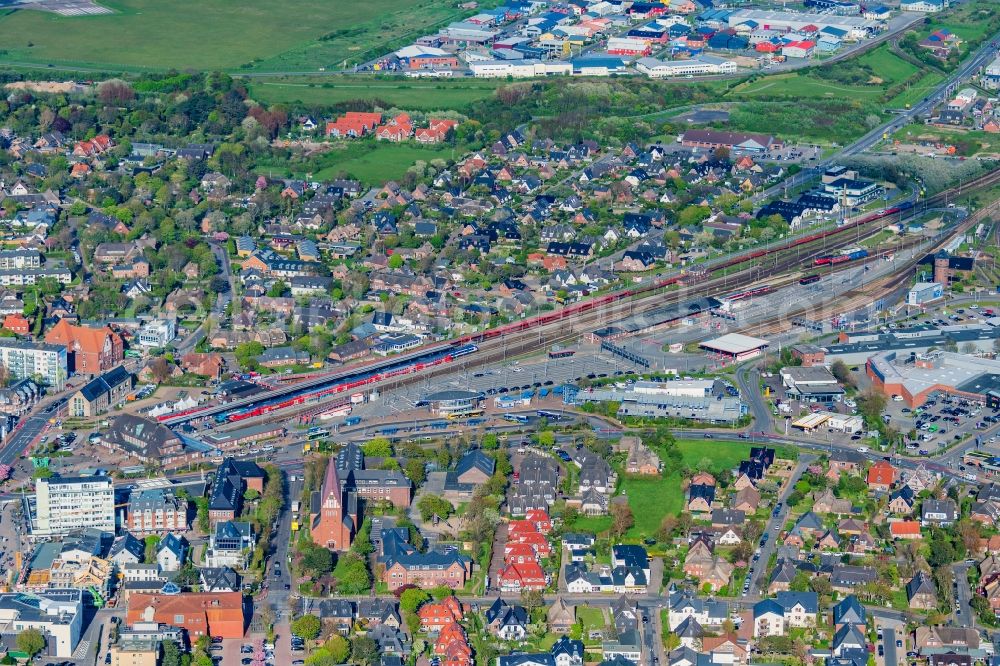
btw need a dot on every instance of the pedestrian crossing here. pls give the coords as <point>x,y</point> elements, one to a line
<point>82,649</point>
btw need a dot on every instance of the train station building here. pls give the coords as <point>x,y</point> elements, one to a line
<point>453,404</point>
<point>735,347</point>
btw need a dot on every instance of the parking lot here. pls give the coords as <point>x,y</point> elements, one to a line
<point>941,421</point>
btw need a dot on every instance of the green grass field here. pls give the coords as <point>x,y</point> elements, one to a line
<point>217,34</point>
<point>421,95</point>
<point>371,162</point>
<point>887,68</point>
<point>652,498</point>
<point>797,85</point>
<point>968,143</point>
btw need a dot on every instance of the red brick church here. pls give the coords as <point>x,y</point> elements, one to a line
<point>333,514</point>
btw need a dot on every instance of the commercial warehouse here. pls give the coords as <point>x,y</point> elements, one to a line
<point>855,27</point>
<point>915,377</point>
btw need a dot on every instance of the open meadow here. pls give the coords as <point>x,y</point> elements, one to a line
<point>218,34</point>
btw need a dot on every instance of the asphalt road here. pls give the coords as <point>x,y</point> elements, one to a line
<point>748,378</point>
<point>964,615</point>
<point>773,528</point>
<point>889,643</point>
<point>26,432</point>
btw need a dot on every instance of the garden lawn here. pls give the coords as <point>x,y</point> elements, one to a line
<point>590,618</point>
<point>652,498</point>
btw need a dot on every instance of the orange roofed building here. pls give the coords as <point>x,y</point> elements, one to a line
<point>215,614</point>
<point>89,351</point>
<point>881,476</point>
<point>353,124</point>
<point>17,323</point>
<point>905,529</point>
<point>437,616</point>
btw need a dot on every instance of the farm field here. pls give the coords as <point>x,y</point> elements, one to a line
<point>214,34</point>
<point>418,95</point>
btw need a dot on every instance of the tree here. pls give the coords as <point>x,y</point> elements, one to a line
<point>379,447</point>
<point>307,626</point>
<point>160,368</point>
<point>416,471</point>
<point>278,289</point>
<point>396,261</point>
<point>317,561</point>
<point>433,505</point>
<point>339,648</point>
<point>364,650</point>
<point>413,598</point>
<point>531,599</point>
<point>842,373</point>
<point>171,654</point>
<point>622,519</point>
<point>440,592</point>
<point>30,641</point>
<point>352,574</point>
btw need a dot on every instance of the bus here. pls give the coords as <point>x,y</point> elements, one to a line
<point>561,353</point>
<point>468,414</point>
<point>550,415</point>
<point>516,418</point>
<point>317,433</point>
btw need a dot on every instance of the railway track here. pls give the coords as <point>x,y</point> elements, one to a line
<point>876,289</point>
<point>747,269</point>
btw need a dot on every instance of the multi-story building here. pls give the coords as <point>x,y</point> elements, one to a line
<point>18,259</point>
<point>215,614</point>
<point>41,361</point>
<point>157,333</point>
<point>22,276</point>
<point>67,503</point>
<point>156,510</point>
<point>91,350</point>
<point>230,545</point>
<point>57,614</point>
<point>232,480</point>
<point>136,651</point>
<point>101,393</point>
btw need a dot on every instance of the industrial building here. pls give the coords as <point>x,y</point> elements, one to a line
<point>698,400</point>
<point>855,27</point>
<point>697,66</point>
<point>811,384</point>
<point>915,376</point>
<point>924,292</point>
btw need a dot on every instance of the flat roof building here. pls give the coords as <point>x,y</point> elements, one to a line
<point>453,403</point>
<point>914,377</point>
<point>63,504</point>
<point>736,346</point>
<point>57,614</point>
